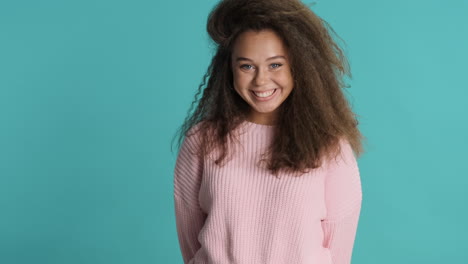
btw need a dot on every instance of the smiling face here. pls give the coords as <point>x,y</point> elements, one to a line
<point>262,74</point>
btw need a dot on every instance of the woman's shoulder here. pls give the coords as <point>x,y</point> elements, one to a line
<point>196,133</point>
<point>342,154</point>
<point>198,129</point>
<point>338,149</point>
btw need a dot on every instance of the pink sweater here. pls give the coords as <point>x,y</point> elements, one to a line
<point>240,213</point>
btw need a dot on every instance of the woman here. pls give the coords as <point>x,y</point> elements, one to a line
<point>266,172</point>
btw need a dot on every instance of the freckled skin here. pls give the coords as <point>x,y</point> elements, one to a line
<point>260,74</point>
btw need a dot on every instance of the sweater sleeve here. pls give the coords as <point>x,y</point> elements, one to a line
<point>343,198</point>
<point>189,216</point>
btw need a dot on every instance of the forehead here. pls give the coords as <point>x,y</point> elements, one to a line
<point>258,45</point>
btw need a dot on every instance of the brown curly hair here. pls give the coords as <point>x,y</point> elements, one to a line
<point>314,117</point>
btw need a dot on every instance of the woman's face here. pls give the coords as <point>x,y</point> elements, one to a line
<point>262,75</point>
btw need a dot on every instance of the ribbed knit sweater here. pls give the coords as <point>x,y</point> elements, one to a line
<point>240,213</point>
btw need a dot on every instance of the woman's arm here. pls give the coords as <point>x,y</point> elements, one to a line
<point>343,198</point>
<point>187,179</point>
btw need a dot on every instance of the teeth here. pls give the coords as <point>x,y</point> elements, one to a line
<point>265,94</point>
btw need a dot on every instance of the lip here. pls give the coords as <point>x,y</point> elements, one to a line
<point>263,90</point>
<point>265,98</point>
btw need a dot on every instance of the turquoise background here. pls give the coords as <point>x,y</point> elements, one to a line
<point>92,92</point>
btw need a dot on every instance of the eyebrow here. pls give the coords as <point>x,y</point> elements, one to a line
<point>247,59</point>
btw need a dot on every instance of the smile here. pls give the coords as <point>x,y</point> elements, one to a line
<point>263,96</point>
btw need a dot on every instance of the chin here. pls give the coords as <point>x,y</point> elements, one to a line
<point>265,111</point>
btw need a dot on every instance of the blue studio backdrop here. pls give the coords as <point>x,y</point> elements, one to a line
<point>92,92</point>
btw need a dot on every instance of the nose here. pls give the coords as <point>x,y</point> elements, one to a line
<point>260,78</point>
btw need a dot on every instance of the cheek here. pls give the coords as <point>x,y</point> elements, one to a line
<point>286,80</point>
<point>281,80</point>
<point>241,80</point>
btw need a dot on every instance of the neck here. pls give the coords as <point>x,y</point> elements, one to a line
<point>262,119</point>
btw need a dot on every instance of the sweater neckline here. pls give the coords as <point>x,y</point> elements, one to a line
<point>259,126</point>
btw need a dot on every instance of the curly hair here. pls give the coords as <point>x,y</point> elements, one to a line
<point>314,117</point>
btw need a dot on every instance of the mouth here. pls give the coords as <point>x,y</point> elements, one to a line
<point>262,96</point>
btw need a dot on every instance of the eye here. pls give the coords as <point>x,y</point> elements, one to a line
<point>279,65</point>
<point>244,65</point>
